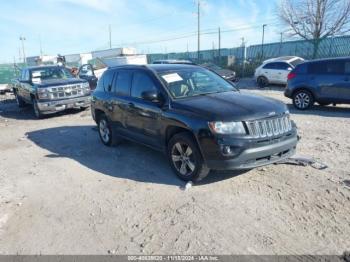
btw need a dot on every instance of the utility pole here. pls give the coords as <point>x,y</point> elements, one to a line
<point>22,39</point>
<point>281,42</point>
<point>243,56</point>
<point>219,46</point>
<point>262,42</point>
<point>199,29</point>
<point>41,48</point>
<point>110,36</point>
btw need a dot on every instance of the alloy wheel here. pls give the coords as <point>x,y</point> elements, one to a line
<point>104,131</point>
<point>183,159</point>
<point>302,100</point>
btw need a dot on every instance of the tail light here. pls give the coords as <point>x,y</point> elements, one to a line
<point>291,75</point>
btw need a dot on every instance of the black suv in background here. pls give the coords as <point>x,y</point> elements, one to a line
<point>51,89</point>
<point>197,118</point>
<point>325,81</point>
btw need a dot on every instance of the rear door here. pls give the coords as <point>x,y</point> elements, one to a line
<point>120,98</point>
<point>143,117</point>
<point>329,77</point>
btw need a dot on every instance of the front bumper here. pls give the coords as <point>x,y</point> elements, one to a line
<point>253,154</point>
<point>49,107</point>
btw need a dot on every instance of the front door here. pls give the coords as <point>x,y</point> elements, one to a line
<point>143,117</point>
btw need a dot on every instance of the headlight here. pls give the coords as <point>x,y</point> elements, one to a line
<point>86,85</point>
<point>236,128</point>
<point>43,93</point>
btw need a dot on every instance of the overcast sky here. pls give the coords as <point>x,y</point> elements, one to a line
<point>76,26</point>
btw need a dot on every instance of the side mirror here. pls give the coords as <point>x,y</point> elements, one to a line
<point>152,96</point>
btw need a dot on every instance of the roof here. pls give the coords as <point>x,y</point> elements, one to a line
<point>42,66</point>
<point>156,67</point>
<point>329,59</point>
<point>282,59</point>
<point>169,67</point>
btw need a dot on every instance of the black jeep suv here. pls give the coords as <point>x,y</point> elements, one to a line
<point>325,81</point>
<point>51,89</point>
<point>197,118</point>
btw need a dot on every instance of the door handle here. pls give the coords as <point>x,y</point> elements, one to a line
<point>131,105</point>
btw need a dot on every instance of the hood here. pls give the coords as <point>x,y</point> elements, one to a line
<point>231,106</point>
<point>224,72</point>
<point>59,82</point>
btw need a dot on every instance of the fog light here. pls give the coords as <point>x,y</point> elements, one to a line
<point>227,150</point>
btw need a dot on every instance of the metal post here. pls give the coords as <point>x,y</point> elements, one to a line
<point>262,42</point>
<point>110,36</point>
<point>243,56</point>
<point>199,29</point>
<point>281,42</point>
<point>22,39</point>
<point>219,46</point>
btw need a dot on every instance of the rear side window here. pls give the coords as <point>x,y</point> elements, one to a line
<point>347,67</point>
<point>269,66</point>
<point>122,83</point>
<point>141,82</point>
<point>281,66</point>
<point>327,67</point>
<point>317,68</point>
<point>107,79</point>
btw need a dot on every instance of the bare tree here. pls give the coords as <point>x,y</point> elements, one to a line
<point>314,20</point>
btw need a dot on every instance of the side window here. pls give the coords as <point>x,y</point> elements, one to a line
<point>269,66</point>
<point>282,66</point>
<point>122,83</point>
<point>141,83</point>
<point>335,67</point>
<point>347,67</point>
<point>107,78</point>
<point>23,74</point>
<point>26,75</point>
<point>317,68</point>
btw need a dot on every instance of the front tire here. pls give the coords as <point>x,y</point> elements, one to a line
<point>262,81</point>
<point>107,135</point>
<point>303,100</point>
<point>186,159</point>
<point>38,114</point>
<point>19,101</point>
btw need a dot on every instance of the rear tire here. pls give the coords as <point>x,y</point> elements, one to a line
<point>185,158</point>
<point>303,99</point>
<point>106,133</point>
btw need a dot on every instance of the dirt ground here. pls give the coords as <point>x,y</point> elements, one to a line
<point>63,192</point>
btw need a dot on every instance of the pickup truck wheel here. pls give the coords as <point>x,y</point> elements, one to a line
<point>36,109</point>
<point>107,135</point>
<point>303,100</point>
<point>20,101</point>
<point>186,159</point>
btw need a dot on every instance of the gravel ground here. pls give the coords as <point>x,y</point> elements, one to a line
<point>63,192</point>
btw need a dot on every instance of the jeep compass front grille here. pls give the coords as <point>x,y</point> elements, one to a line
<point>269,127</point>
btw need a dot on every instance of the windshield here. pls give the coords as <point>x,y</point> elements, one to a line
<point>50,73</point>
<point>190,82</point>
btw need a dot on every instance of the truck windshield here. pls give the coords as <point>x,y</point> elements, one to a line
<point>50,73</point>
<point>190,82</point>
